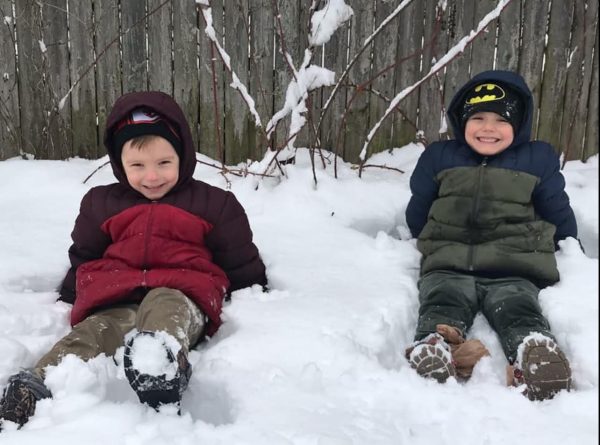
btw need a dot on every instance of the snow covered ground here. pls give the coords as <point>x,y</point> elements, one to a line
<point>319,359</point>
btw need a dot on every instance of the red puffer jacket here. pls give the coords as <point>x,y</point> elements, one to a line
<point>196,238</point>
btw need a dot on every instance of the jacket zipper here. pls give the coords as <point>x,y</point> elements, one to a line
<point>146,242</point>
<point>474,212</point>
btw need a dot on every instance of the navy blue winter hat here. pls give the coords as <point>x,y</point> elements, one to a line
<point>141,122</point>
<point>494,97</point>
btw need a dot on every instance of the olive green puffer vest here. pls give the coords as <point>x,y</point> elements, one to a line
<point>483,221</point>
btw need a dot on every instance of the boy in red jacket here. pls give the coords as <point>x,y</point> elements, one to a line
<point>152,258</point>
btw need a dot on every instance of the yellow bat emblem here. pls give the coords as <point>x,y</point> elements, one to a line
<point>488,92</point>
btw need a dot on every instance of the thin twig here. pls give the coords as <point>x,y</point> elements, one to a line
<point>94,172</point>
<point>235,172</point>
<point>385,167</point>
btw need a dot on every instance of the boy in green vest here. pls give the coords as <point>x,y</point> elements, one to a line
<point>488,209</point>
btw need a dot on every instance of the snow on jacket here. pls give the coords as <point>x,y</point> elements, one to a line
<point>490,215</point>
<point>196,238</point>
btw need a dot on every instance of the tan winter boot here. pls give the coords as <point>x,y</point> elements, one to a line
<point>542,367</point>
<point>431,358</point>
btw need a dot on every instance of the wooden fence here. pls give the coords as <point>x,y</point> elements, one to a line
<point>88,52</point>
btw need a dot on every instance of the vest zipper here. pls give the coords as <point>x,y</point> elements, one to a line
<point>474,212</point>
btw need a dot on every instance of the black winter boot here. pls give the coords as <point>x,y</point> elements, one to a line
<point>18,402</point>
<point>157,390</point>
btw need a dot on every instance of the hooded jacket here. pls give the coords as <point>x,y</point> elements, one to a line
<point>499,215</point>
<point>196,238</point>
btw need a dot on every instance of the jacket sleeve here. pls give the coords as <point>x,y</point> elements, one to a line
<point>89,243</point>
<point>233,250</point>
<point>424,190</point>
<point>550,199</point>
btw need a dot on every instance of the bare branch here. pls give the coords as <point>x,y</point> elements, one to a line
<point>236,83</point>
<point>368,41</point>
<point>454,52</point>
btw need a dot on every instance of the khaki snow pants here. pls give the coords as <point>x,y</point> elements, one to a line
<point>162,309</point>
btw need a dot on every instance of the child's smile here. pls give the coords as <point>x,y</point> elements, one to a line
<point>488,133</point>
<point>152,169</point>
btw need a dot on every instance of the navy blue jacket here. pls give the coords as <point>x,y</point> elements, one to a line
<point>537,158</point>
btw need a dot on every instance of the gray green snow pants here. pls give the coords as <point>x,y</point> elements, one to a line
<point>162,309</point>
<point>509,304</point>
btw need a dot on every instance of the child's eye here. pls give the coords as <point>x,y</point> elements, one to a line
<point>165,162</point>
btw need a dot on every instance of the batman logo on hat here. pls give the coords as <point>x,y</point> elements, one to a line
<point>486,92</point>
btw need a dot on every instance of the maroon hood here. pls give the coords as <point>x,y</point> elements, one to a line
<point>164,105</point>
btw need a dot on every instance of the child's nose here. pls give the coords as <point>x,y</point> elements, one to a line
<point>151,174</point>
<point>488,124</point>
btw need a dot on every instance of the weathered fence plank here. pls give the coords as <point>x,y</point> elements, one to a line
<point>186,80</point>
<point>10,128</point>
<point>160,63</point>
<point>555,74</point>
<point>237,116</point>
<point>357,119</point>
<point>531,58</point>
<point>108,64</point>
<point>407,72</point>
<point>482,52</point>
<point>591,132</point>
<point>288,24</point>
<point>384,56</point>
<point>574,83</point>
<point>133,35</point>
<point>509,33</point>
<point>335,59</point>
<point>33,96</point>
<point>431,96</point>
<point>54,36</point>
<point>211,87</point>
<point>581,112</point>
<point>261,77</point>
<point>81,67</point>
<point>461,23</point>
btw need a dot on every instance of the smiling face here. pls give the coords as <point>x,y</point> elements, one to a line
<point>488,133</point>
<point>151,166</point>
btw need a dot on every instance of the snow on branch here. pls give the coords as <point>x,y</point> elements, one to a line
<point>449,56</point>
<point>326,21</point>
<point>368,41</point>
<point>307,79</point>
<point>235,83</point>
